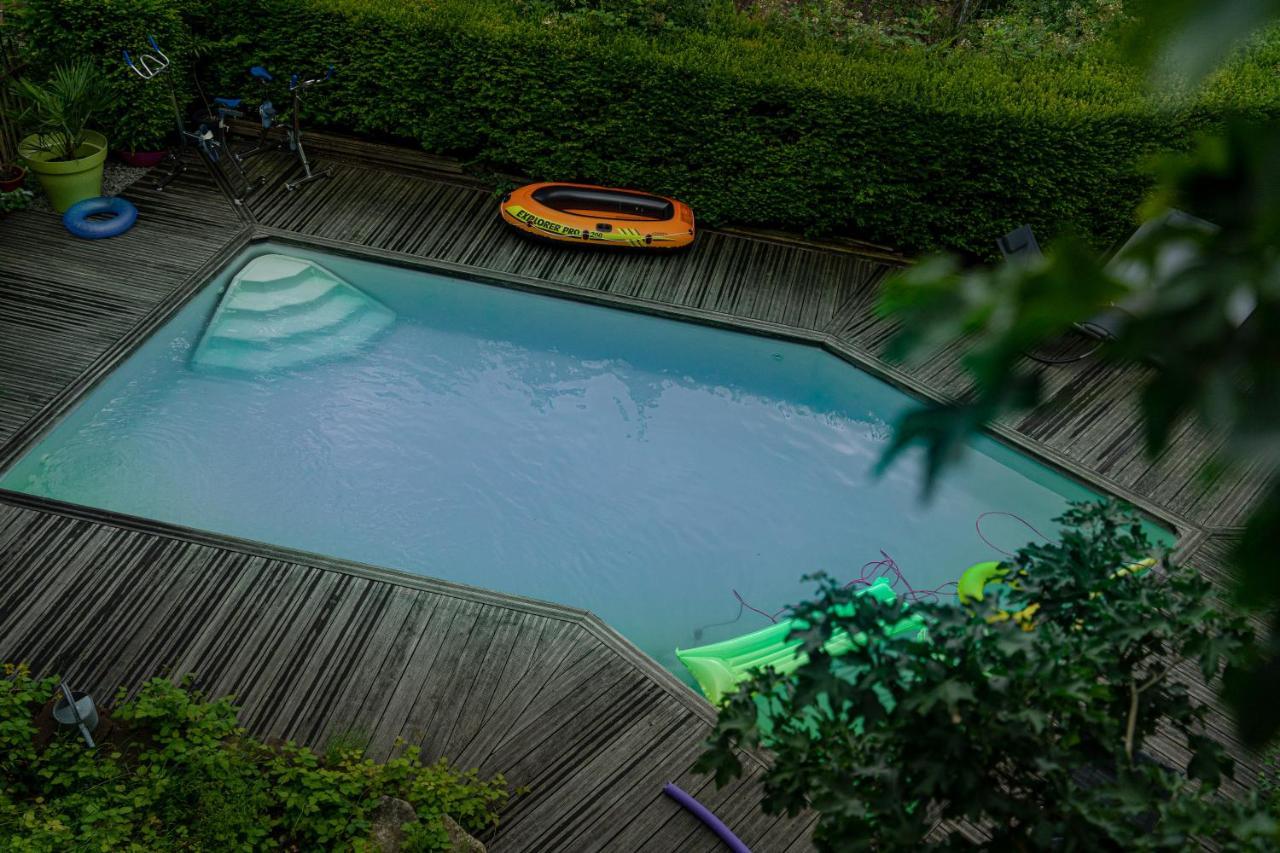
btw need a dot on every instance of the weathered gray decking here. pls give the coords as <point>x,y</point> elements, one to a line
<point>312,646</point>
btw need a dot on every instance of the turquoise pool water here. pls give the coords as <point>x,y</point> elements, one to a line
<point>641,468</point>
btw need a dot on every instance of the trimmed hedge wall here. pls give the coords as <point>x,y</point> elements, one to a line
<point>913,148</point>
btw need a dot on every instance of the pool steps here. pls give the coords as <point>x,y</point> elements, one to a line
<point>282,312</point>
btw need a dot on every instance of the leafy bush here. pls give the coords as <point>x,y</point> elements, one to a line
<point>1061,26</point>
<point>910,147</point>
<point>140,115</point>
<point>19,199</point>
<point>1028,713</point>
<point>641,15</point>
<point>178,772</point>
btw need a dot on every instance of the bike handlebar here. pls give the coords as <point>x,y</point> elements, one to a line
<point>148,65</point>
<point>296,83</point>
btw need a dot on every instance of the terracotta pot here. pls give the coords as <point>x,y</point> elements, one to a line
<point>14,181</point>
<point>142,159</point>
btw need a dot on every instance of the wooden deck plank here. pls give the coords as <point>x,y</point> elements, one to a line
<point>610,766</point>
<point>179,624</point>
<point>400,710</point>
<point>234,629</point>
<point>441,697</point>
<point>392,671</point>
<point>342,638</point>
<point>665,825</point>
<point>591,672</point>
<point>292,625</point>
<point>526,675</point>
<point>549,764</point>
<point>343,713</point>
<point>485,682</point>
<point>593,821</point>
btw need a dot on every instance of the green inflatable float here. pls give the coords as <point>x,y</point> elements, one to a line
<point>718,667</point>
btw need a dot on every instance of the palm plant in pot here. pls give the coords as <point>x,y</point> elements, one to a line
<point>65,155</point>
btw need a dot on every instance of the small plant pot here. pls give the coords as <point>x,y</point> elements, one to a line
<point>66,182</point>
<point>142,159</point>
<point>12,178</point>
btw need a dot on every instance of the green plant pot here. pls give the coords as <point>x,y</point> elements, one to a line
<point>67,181</point>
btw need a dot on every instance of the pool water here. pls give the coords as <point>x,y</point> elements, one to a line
<point>641,468</point>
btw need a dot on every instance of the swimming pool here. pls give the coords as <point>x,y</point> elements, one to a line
<point>650,470</point>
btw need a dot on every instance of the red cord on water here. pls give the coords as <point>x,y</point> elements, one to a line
<point>977,525</point>
<point>886,567</point>
<point>771,617</point>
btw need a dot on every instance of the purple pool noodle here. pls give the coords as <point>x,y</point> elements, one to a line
<point>704,814</point>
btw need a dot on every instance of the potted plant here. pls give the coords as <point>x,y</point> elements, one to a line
<point>65,155</point>
<point>12,176</point>
<point>143,143</point>
<point>144,159</point>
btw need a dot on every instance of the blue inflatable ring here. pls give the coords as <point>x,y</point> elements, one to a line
<point>123,215</point>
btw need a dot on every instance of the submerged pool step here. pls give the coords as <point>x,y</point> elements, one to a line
<point>281,312</point>
<point>340,342</point>
<point>285,296</point>
<point>307,318</point>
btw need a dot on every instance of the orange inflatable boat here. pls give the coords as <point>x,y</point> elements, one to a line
<point>585,214</point>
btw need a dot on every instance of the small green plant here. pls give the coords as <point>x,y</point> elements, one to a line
<point>1028,713</point>
<point>18,199</point>
<point>345,743</point>
<point>58,112</point>
<point>178,772</point>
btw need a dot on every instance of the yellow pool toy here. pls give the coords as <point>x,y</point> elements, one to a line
<point>973,582</point>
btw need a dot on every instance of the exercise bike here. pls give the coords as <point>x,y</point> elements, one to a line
<point>210,134</point>
<point>293,127</point>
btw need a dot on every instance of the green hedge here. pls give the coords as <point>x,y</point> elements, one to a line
<point>914,148</point>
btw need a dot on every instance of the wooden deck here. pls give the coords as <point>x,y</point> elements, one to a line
<point>312,646</point>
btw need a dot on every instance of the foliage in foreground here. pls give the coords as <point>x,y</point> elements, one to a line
<point>180,773</point>
<point>1029,712</point>
<point>1202,338</point>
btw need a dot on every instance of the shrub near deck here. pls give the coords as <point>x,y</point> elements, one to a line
<point>913,148</point>
<point>173,770</point>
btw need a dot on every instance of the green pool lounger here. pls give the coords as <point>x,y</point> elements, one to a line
<point>718,667</point>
